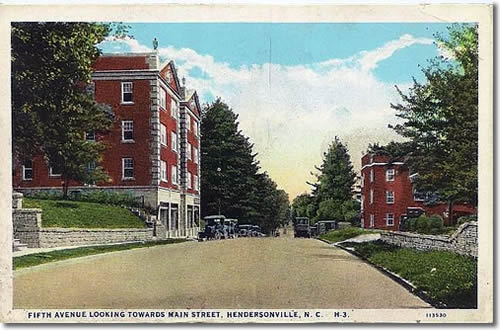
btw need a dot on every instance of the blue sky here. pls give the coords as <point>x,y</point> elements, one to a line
<point>297,86</point>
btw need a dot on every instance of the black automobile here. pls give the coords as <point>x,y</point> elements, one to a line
<point>231,225</point>
<point>257,232</point>
<point>245,230</point>
<point>214,228</point>
<point>302,227</point>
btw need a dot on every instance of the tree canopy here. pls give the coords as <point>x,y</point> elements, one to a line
<point>53,108</point>
<point>440,119</point>
<point>232,183</point>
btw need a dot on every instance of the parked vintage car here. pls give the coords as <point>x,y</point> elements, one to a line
<point>214,228</point>
<point>302,227</point>
<point>324,226</point>
<point>244,230</point>
<point>232,227</point>
<point>257,232</point>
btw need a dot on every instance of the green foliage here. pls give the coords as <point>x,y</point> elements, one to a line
<point>76,214</point>
<point>52,108</point>
<point>58,255</point>
<point>231,179</point>
<point>440,120</point>
<point>339,235</point>
<point>301,206</point>
<point>466,218</point>
<point>445,277</point>
<point>98,196</point>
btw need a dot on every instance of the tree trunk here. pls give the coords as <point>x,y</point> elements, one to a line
<point>451,221</point>
<point>65,188</point>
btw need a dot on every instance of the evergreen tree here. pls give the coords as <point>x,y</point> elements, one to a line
<point>335,182</point>
<point>52,109</point>
<point>441,120</point>
<point>231,182</point>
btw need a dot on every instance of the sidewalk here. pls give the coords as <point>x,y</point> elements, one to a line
<point>29,251</point>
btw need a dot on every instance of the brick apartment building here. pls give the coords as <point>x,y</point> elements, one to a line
<point>153,147</point>
<point>388,196</point>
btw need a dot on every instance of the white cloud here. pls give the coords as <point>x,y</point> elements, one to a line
<point>292,113</point>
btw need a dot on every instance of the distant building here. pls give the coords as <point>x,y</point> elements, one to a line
<point>153,147</point>
<point>388,195</point>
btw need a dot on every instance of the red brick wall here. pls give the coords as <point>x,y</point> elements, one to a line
<point>109,92</point>
<point>403,195</point>
<point>192,167</point>
<point>105,63</point>
<point>166,153</point>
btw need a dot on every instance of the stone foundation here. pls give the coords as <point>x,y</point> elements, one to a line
<point>463,241</point>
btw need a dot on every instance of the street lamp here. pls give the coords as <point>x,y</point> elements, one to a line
<point>218,175</point>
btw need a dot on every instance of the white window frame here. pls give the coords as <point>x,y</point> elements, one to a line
<point>390,174</point>
<point>174,109</point>
<point>91,134</point>
<point>188,122</point>
<point>127,129</point>
<point>196,183</point>
<point>28,168</point>
<point>163,171</point>
<point>372,220</point>
<point>173,139</point>
<point>189,151</point>
<point>163,135</point>
<point>196,155</point>
<point>389,193</point>
<point>196,128</point>
<point>51,172</point>
<point>125,167</point>
<point>389,216</point>
<point>174,174</point>
<point>371,196</point>
<point>415,198</point>
<point>189,179</point>
<point>163,99</point>
<point>124,86</point>
<point>372,175</point>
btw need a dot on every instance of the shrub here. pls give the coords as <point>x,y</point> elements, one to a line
<point>111,198</point>
<point>436,222</point>
<point>466,218</point>
<point>422,224</point>
<point>51,195</point>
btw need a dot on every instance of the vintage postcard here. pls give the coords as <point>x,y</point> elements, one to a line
<point>247,163</point>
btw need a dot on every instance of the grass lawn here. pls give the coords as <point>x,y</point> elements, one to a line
<point>74,214</point>
<point>444,276</point>
<point>57,255</point>
<point>339,235</point>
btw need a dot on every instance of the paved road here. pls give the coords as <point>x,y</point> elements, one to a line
<point>243,273</point>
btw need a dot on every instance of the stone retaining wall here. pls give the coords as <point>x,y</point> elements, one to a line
<point>27,225</point>
<point>54,237</point>
<point>463,241</point>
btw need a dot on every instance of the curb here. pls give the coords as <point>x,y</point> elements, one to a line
<point>395,277</point>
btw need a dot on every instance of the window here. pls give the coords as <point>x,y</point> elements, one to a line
<point>91,167</point>
<point>188,122</point>
<point>28,170</point>
<point>90,136</point>
<point>127,131</point>
<point>163,134</point>
<point>127,168</point>
<point>163,171</point>
<point>54,170</point>
<point>389,175</point>
<point>372,175</point>
<point>196,183</point>
<point>195,128</point>
<point>163,99</point>
<point>173,109</point>
<point>174,141</point>
<point>418,196</point>
<point>127,92</point>
<point>189,151</point>
<point>189,180</point>
<point>389,197</point>
<point>371,196</point>
<point>389,219</point>
<point>372,221</point>
<point>174,174</point>
<point>196,159</point>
